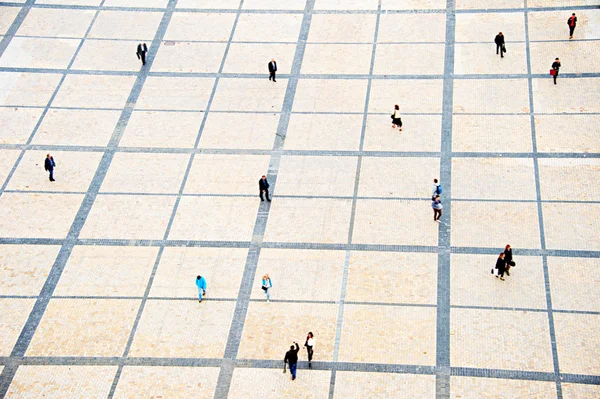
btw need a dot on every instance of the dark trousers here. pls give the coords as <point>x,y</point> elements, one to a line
<point>501,272</point>
<point>266,195</point>
<point>143,56</point>
<point>310,351</point>
<point>499,47</point>
<point>272,76</point>
<point>571,30</point>
<point>555,76</point>
<point>51,174</point>
<point>293,370</point>
<point>437,214</point>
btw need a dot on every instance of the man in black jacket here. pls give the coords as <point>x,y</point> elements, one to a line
<point>499,40</point>
<point>263,187</point>
<point>291,358</point>
<point>272,70</point>
<point>572,22</point>
<point>142,49</point>
<point>555,67</point>
<point>49,165</point>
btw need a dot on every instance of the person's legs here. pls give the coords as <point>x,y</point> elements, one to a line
<point>555,76</point>
<point>310,356</point>
<point>260,194</point>
<point>143,55</point>
<point>200,291</point>
<point>293,370</point>
<point>267,195</point>
<point>274,76</point>
<point>51,176</point>
<point>498,47</point>
<point>571,31</point>
<point>267,294</point>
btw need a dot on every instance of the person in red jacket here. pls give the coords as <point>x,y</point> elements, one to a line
<point>572,22</point>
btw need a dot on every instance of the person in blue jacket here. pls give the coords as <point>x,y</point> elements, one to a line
<point>201,284</point>
<point>267,284</point>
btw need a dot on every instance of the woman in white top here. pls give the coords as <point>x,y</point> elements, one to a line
<point>396,120</point>
<point>310,343</point>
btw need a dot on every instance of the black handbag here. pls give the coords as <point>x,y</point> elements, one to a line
<point>264,288</point>
<point>503,48</point>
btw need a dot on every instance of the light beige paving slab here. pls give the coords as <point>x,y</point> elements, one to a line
<point>77,127</point>
<point>249,95</point>
<point>391,277</point>
<point>265,336</point>
<point>324,132</point>
<point>559,98</point>
<point>552,25</point>
<point>240,131</point>
<point>24,268</point>
<point>577,343</point>
<point>409,59</point>
<point>575,57</point>
<point>26,215</point>
<point>500,339</point>
<point>475,4</point>
<point>314,61</point>
<point>182,328</point>
<point>487,96</point>
<point>419,133</point>
<point>55,22</point>
<point>145,173</point>
<point>189,57</point>
<point>94,91</point>
<point>74,171</point>
<point>492,133</point>
<point>163,382</point>
<point>226,174</point>
<point>270,5</point>
<point>15,313</point>
<point>139,25</point>
<point>128,217</point>
<point>397,177</point>
<point>181,93</point>
<point>331,95</point>
<point>316,176</point>
<point>350,384</point>
<point>137,3</point>
<point>411,95</point>
<point>346,28</point>
<point>563,3</point>
<point>574,283</point>
<point>18,124</point>
<point>107,55</point>
<point>346,5</point>
<point>394,222</point>
<point>34,89</point>
<point>221,267</point>
<point>254,58</point>
<point>84,327</point>
<point>494,224</point>
<point>495,178</point>
<point>268,27</point>
<point>231,219</point>
<point>573,391</point>
<point>71,2</point>
<point>483,27</point>
<point>107,271</point>
<point>320,270</point>
<point>309,220</point>
<point>412,4</point>
<point>7,16</point>
<point>567,133</point>
<point>26,52</point>
<point>499,388</point>
<point>398,334</point>
<point>62,382</point>
<point>524,288</point>
<point>200,26</point>
<point>571,225</point>
<point>412,28</point>
<point>162,129</point>
<point>568,179</point>
<point>273,384</point>
<point>481,58</point>
<point>209,4</point>
<point>11,157</point>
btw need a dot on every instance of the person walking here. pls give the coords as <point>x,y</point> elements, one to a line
<point>437,189</point>
<point>500,266</point>
<point>142,50</point>
<point>572,22</point>
<point>272,69</point>
<point>555,68</point>
<point>508,259</point>
<point>263,187</point>
<point>396,120</point>
<point>499,40</point>
<point>309,344</point>
<point>436,204</point>
<point>201,284</point>
<point>291,358</point>
<point>49,166</point>
<point>267,284</point>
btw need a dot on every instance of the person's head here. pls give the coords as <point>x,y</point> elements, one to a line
<point>396,107</point>
<point>501,255</point>
<point>437,198</point>
<point>507,247</point>
<point>272,59</point>
<point>435,181</point>
<point>573,14</point>
<point>556,59</point>
<point>264,177</point>
<point>310,334</point>
<point>198,278</point>
<point>47,155</point>
<point>292,347</point>
<point>500,34</point>
<point>266,277</point>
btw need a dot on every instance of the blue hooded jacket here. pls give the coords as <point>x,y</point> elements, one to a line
<point>201,283</point>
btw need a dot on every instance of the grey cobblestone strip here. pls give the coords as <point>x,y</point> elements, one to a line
<point>14,27</point>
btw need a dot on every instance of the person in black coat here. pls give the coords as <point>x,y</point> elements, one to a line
<point>272,70</point>
<point>291,358</point>
<point>572,22</point>
<point>508,259</point>
<point>142,49</point>
<point>49,165</point>
<point>501,266</point>
<point>556,67</point>
<point>499,40</point>
<point>263,187</point>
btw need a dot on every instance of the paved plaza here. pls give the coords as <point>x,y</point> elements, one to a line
<point>157,182</point>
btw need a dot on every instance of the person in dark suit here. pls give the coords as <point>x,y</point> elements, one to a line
<point>556,67</point>
<point>508,259</point>
<point>572,22</point>
<point>272,70</point>
<point>500,266</point>
<point>263,187</point>
<point>499,40</point>
<point>49,165</point>
<point>142,50</point>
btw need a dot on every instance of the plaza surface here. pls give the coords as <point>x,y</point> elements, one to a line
<point>157,182</point>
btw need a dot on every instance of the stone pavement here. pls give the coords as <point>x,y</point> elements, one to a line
<point>156,182</point>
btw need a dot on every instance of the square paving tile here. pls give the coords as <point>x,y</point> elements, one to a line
<point>574,391</point>
<point>550,98</point>
<point>55,22</point>
<point>147,217</point>
<point>189,57</point>
<point>249,95</point>
<point>268,27</point>
<point>483,27</point>
<point>493,388</point>
<point>11,157</point>
<point>107,55</point>
<point>107,271</point>
<point>578,57</point>
<point>309,220</point>
<point>204,26</point>
<point>478,58</point>
<point>419,133</point>
<point>331,95</point>
<point>209,4</point>
<point>181,93</point>
<point>286,267</point>
<point>314,62</point>
<point>7,16</point>
<point>269,5</point>
<point>254,58</point>
<point>392,277</point>
<point>94,91</point>
<point>489,96</point>
<point>226,174</point>
<point>84,327</point>
<point>183,328</point>
<point>409,59</point>
<point>166,381</point>
<point>162,129</point>
<point>14,316</point>
<point>24,268</point>
<point>18,124</point>
<point>524,288</point>
<point>239,131</point>
<point>390,222</point>
<point>492,133</point>
<point>404,334</point>
<point>568,179</point>
<point>514,346</point>
<point>26,52</point>
<point>266,337</point>
<point>139,25</point>
<point>62,382</point>
<point>324,132</point>
<point>221,267</point>
<point>316,176</point>
<point>549,131</point>
<point>413,95</point>
<point>273,384</point>
<point>576,340</point>
<point>413,4</point>
<point>417,27</point>
<point>345,28</point>
<point>346,4</point>
<point>15,88</point>
<point>539,22</point>
<point>349,384</point>
<point>573,286</point>
<point>571,225</point>
<point>231,219</point>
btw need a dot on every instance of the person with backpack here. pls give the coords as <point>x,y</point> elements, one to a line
<point>572,22</point>
<point>437,189</point>
<point>436,204</point>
